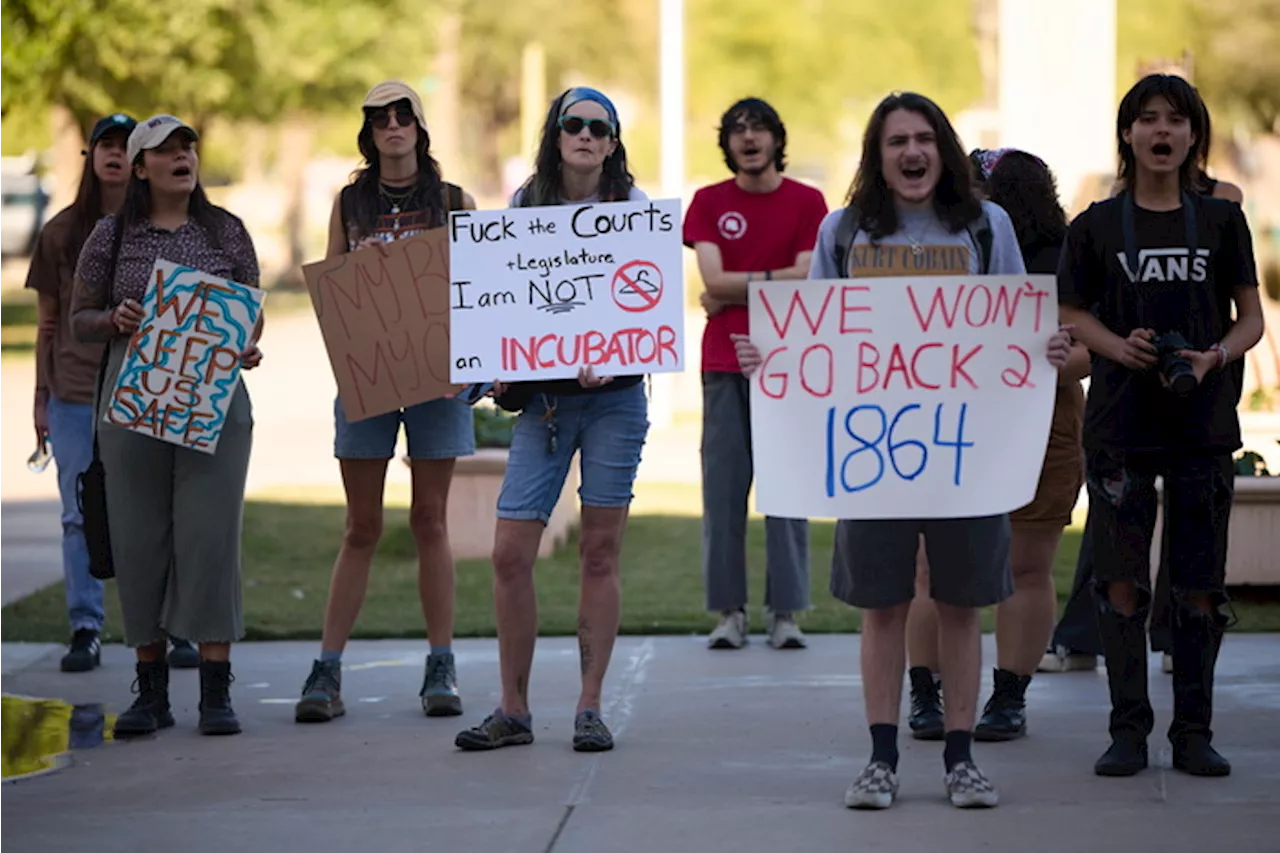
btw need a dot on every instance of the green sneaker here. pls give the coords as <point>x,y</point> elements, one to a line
<point>590,734</point>
<point>497,730</point>
<point>322,694</point>
<point>440,687</point>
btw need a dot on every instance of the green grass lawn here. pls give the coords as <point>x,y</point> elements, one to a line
<point>291,540</point>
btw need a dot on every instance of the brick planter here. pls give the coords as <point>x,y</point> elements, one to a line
<point>473,502</point>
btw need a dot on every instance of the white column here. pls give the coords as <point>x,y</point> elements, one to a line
<point>666,387</point>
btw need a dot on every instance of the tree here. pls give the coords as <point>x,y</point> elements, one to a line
<point>1238,61</point>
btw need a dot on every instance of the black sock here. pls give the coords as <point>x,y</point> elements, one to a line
<point>957,748</point>
<point>884,744</point>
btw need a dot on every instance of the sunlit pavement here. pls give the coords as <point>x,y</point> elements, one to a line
<point>735,751</point>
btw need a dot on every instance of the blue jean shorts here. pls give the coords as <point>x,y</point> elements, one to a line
<point>436,429</point>
<point>607,428</point>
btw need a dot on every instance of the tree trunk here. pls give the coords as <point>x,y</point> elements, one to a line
<point>295,153</point>
<point>68,161</point>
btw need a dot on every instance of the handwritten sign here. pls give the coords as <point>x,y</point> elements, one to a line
<point>183,362</point>
<point>538,292</point>
<point>901,397</point>
<point>385,322</point>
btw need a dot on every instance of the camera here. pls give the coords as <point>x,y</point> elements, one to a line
<point>1176,369</point>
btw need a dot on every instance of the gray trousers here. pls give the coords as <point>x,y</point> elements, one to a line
<point>175,516</point>
<point>726,481</point>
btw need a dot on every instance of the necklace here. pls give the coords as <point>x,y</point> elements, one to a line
<point>397,199</point>
<point>916,248</point>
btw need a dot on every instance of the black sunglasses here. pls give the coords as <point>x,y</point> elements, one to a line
<point>382,118</point>
<point>573,125</point>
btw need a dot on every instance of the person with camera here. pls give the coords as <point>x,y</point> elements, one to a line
<point>1148,279</point>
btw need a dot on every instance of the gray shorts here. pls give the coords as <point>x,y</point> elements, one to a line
<point>873,564</point>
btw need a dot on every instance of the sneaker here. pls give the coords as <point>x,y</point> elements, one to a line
<point>590,734</point>
<point>183,655</point>
<point>440,687</point>
<point>969,788</point>
<point>783,632</point>
<point>731,633</point>
<point>1061,659</point>
<point>322,694</point>
<point>497,730</point>
<point>875,788</point>
<point>84,652</point>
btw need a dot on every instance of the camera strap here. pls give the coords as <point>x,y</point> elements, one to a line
<point>1131,238</point>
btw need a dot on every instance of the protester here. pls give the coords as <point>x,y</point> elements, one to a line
<point>1149,279</point>
<point>1024,186</point>
<point>914,188</point>
<point>581,159</point>
<point>175,512</point>
<point>1076,642</point>
<point>398,193</point>
<point>755,226</point>
<point>67,371</point>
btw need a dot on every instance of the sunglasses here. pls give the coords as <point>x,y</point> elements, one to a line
<point>573,125</point>
<point>382,118</point>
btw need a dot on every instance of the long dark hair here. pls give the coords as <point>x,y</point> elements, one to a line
<point>86,210</point>
<point>1185,101</point>
<point>953,199</point>
<point>1025,187</point>
<point>754,109</point>
<point>137,207</point>
<point>364,191</point>
<point>543,186</point>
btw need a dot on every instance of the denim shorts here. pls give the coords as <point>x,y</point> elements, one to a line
<point>608,429</point>
<point>436,429</point>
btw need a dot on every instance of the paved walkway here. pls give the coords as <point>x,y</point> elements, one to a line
<point>742,752</point>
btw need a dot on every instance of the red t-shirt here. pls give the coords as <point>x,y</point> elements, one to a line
<point>755,232</point>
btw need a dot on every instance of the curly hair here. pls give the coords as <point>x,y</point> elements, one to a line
<point>1025,187</point>
<point>748,110</point>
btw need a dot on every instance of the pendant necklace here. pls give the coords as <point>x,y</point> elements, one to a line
<point>396,200</point>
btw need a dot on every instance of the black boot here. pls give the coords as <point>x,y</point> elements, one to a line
<point>150,711</point>
<point>1196,640</point>
<point>1005,716</point>
<point>216,715</point>
<point>926,704</point>
<point>1124,642</point>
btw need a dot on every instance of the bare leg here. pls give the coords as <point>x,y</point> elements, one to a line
<point>961,658</point>
<point>884,659</point>
<point>600,599</point>
<point>428,519</point>
<point>151,653</point>
<point>922,621</point>
<point>215,651</point>
<point>515,605</point>
<point>363,480</point>
<point>1025,621</point>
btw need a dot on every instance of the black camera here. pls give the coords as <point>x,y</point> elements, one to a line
<point>1176,369</point>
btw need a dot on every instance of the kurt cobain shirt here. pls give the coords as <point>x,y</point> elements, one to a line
<point>1171,290</point>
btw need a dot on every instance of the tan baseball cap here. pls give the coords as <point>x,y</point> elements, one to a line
<point>390,91</point>
<point>154,131</point>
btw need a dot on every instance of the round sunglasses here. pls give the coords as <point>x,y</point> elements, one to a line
<point>600,128</point>
<point>382,118</point>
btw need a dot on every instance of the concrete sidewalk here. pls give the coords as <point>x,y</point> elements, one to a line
<point>747,751</point>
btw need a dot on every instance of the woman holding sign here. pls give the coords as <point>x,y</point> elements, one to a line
<point>605,419</point>
<point>175,512</point>
<point>399,193</point>
<point>913,199</point>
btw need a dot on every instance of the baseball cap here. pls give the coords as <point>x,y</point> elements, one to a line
<point>154,131</point>
<point>390,91</point>
<point>106,124</point>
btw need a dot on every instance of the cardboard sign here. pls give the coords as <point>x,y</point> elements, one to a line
<point>385,322</point>
<point>901,397</point>
<point>183,363</point>
<point>538,292</point>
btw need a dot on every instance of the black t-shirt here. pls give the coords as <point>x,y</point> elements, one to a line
<point>401,214</point>
<point>1170,291</point>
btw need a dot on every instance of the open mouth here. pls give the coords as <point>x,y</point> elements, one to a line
<point>1162,149</point>
<point>750,152</point>
<point>914,173</point>
<point>113,165</point>
<point>182,172</point>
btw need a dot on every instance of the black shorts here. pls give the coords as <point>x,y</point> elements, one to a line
<point>873,564</point>
<point>1198,491</point>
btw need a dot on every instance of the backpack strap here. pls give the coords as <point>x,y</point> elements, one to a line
<point>453,196</point>
<point>846,232</point>
<point>980,233</point>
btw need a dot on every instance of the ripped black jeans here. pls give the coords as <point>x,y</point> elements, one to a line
<point>1122,512</point>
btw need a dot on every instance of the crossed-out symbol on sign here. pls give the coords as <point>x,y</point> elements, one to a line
<point>637,286</point>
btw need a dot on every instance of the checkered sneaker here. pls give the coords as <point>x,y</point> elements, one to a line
<point>968,788</point>
<point>875,788</point>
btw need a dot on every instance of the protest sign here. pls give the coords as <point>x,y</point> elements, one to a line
<point>183,362</point>
<point>385,323</point>
<point>901,397</point>
<point>538,292</point>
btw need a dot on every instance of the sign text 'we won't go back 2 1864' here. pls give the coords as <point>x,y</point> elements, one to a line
<point>539,292</point>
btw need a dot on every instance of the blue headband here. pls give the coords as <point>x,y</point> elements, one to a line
<point>586,93</point>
